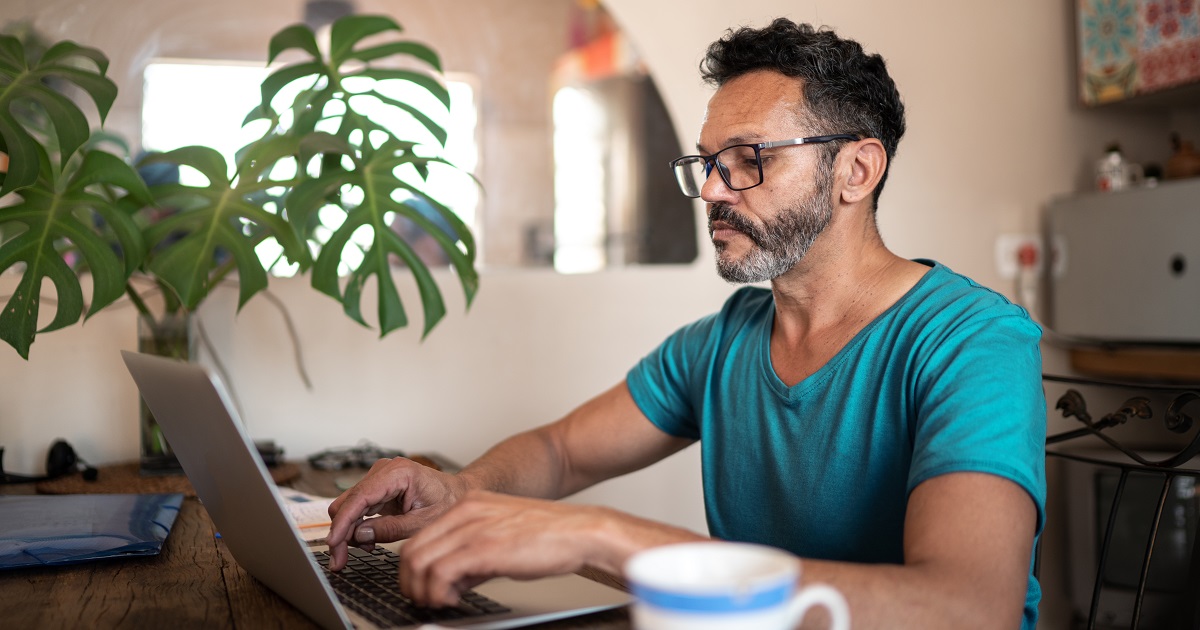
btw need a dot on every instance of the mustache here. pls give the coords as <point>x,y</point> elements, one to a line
<point>721,211</point>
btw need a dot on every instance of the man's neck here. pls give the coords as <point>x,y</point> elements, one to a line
<point>847,280</point>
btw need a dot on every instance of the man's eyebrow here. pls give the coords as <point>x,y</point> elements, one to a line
<point>753,138</point>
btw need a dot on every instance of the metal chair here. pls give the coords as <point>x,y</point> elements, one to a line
<point>1133,514</point>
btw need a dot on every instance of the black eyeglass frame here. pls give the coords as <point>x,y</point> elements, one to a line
<point>711,160</point>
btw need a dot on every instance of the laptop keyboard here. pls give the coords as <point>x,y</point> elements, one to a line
<point>368,587</point>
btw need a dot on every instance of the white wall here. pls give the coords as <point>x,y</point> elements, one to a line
<point>993,133</point>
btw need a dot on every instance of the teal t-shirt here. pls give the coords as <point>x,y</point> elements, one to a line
<point>946,380</point>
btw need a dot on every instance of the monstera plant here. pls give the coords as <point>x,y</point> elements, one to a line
<point>78,210</point>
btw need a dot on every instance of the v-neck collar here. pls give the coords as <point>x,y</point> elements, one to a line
<point>799,390</point>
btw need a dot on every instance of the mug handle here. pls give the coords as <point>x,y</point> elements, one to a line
<point>820,595</point>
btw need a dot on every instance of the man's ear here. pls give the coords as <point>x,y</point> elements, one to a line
<point>867,164</point>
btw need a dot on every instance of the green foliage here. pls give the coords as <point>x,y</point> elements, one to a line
<point>25,82</point>
<point>56,183</point>
<point>377,157</point>
<point>79,202</point>
<point>339,154</point>
<point>57,211</point>
<point>209,226</point>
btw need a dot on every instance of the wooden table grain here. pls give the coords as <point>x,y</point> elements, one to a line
<point>193,583</point>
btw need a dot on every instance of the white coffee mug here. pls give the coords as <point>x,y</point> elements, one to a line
<point>730,586</point>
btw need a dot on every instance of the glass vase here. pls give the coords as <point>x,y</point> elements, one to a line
<point>168,336</point>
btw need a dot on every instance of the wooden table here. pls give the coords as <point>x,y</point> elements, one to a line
<point>193,583</point>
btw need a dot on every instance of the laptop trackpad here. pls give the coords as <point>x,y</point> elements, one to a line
<point>553,597</point>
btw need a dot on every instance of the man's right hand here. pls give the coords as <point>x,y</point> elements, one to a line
<point>605,437</point>
<point>407,495</point>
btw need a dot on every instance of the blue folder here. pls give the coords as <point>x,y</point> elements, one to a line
<point>51,530</point>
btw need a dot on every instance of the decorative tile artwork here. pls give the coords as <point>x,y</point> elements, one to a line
<point>1132,47</point>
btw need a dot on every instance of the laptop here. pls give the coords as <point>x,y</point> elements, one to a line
<point>230,479</point>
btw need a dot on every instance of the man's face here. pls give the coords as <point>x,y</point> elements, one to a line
<point>761,233</point>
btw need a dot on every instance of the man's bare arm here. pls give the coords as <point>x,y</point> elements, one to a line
<point>606,437</point>
<point>968,540</point>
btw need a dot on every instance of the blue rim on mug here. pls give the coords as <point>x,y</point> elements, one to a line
<point>768,596</point>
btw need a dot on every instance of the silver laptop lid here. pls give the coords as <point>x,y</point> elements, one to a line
<point>203,429</point>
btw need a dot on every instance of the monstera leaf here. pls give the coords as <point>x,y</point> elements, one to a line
<point>375,169</point>
<point>327,76</point>
<point>57,215</point>
<point>376,172</point>
<point>211,231</point>
<point>25,82</point>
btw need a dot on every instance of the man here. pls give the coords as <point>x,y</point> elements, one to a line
<point>879,417</point>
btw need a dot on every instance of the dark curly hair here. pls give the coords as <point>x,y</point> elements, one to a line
<point>845,89</point>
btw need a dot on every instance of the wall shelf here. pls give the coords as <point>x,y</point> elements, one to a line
<point>1178,365</point>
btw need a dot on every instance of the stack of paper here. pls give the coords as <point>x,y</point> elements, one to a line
<point>310,513</point>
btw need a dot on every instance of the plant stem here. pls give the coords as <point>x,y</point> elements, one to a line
<point>138,303</point>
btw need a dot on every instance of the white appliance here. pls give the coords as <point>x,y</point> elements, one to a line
<point>1125,266</point>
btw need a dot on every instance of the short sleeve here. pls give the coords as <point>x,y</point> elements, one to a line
<point>663,382</point>
<point>981,404</point>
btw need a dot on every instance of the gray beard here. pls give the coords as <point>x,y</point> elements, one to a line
<point>779,244</point>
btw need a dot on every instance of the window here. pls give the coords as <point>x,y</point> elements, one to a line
<point>580,175</point>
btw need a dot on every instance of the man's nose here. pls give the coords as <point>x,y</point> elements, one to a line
<point>715,189</point>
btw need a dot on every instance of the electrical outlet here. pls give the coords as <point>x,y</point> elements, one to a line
<point>1010,248</point>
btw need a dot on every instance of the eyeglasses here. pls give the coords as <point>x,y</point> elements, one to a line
<point>740,165</point>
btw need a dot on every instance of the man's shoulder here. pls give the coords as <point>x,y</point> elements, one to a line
<point>948,296</point>
<point>943,284</point>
